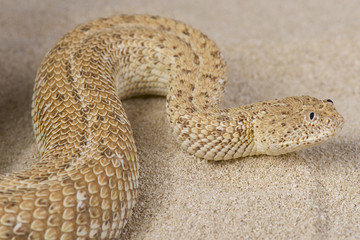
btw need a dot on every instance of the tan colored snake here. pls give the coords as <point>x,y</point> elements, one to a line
<point>85,184</point>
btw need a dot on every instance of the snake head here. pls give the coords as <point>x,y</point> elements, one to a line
<point>294,123</point>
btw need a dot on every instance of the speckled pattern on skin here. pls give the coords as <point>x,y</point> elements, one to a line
<point>85,184</point>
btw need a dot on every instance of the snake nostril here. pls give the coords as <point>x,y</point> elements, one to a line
<point>328,121</point>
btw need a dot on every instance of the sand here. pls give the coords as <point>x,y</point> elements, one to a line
<point>273,49</point>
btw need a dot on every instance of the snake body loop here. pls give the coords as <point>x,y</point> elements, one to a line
<point>85,183</point>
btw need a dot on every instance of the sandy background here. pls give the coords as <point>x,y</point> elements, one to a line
<point>273,49</point>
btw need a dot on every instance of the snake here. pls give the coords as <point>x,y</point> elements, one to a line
<point>85,182</point>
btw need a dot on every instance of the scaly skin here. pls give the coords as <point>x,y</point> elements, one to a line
<point>85,183</point>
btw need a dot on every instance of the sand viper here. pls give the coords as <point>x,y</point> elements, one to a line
<point>85,183</point>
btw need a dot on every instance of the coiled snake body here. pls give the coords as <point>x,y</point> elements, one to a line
<point>85,183</point>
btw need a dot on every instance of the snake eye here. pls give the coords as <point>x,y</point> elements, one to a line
<point>329,100</point>
<point>311,116</point>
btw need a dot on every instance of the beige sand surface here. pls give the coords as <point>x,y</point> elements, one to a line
<point>274,49</point>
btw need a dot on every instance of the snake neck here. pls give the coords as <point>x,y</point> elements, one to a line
<point>202,128</point>
<point>216,135</point>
